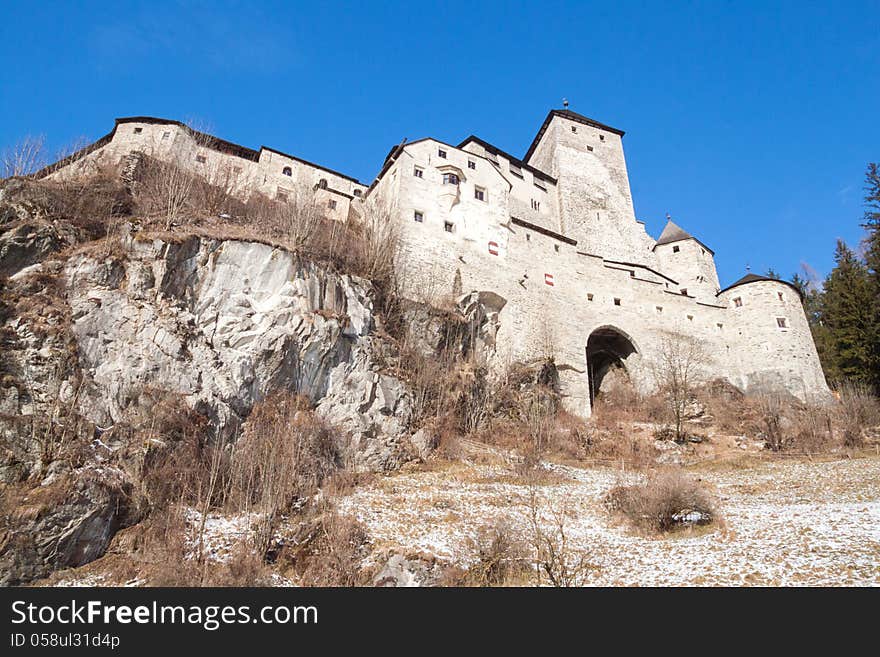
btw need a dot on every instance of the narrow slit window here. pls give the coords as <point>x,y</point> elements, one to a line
<point>448,226</point>
<point>616,301</point>
<point>738,302</point>
<point>418,217</point>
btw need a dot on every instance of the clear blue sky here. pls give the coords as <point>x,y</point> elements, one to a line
<point>751,123</point>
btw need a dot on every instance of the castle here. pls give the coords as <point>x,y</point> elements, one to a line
<point>552,242</point>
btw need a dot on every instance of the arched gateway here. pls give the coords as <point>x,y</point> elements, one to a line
<point>607,348</point>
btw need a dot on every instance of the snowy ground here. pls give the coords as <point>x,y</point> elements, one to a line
<point>785,522</point>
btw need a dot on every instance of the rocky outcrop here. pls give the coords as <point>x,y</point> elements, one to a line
<point>68,521</point>
<point>225,323</point>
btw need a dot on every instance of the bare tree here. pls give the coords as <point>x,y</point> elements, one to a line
<point>25,157</point>
<point>678,368</point>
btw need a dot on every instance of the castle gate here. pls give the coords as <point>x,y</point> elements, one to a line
<point>607,349</point>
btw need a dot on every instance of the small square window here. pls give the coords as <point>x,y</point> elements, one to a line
<point>589,296</point>
<point>236,170</point>
<point>574,128</point>
<point>472,164</point>
<point>441,153</point>
<point>616,301</point>
<point>781,322</point>
<point>738,302</point>
<point>659,309</point>
<point>332,204</point>
<point>690,318</point>
<point>676,249</point>
<point>357,192</point>
<point>590,149</point>
<point>720,326</point>
<point>418,217</point>
<point>418,172</point>
<point>200,159</point>
<point>601,137</point>
<point>138,131</point>
<point>448,226</point>
<point>684,292</point>
<point>528,237</point>
<point>480,193</point>
<point>166,135</point>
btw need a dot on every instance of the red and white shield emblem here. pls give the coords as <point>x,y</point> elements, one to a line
<point>548,279</point>
<point>493,248</point>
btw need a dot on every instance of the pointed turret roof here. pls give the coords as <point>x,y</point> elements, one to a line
<point>675,233</point>
<point>755,278</point>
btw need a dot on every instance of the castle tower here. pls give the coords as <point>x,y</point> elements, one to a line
<point>595,203</point>
<point>691,263</point>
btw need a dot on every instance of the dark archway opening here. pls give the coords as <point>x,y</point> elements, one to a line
<point>607,349</point>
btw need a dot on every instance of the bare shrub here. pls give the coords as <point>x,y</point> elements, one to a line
<point>667,500</point>
<point>282,456</point>
<point>24,158</point>
<point>555,560</point>
<point>501,556</point>
<point>165,190</point>
<point>859,409</point>
<point>328,549</point>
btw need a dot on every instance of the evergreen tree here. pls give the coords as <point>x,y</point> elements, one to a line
<point>872,220</point>
<point>771,273</point>
<point>849,314</point>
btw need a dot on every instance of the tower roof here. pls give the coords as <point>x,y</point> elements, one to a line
<point>756,278</point>
<point>675,233</point>
<point>571,116</point>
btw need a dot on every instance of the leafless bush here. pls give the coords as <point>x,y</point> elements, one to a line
<point>24,158</point>
<point>859,409</point>
<point>556,561</point>
<point>501,556</point>
<point>283,455</point>
<point>668,500</point>
<point>328,549</point>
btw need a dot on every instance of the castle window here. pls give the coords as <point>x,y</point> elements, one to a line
<point>574,128</point>
<point>589,296</point>
<point>281,196</point>
<point>684,291</point>
<point>448,226</point>
<point>332,203</point>
<point>480,193</point>
<point>676,249</point>
<point>690,318</point>
<point>441,153</point>
<point>357,192</point>
<point>418,172</point>
<point>703,251</point>
<point>138,131</point>
<point>287,171</point>
<point>418,217</point>
<point>516,171</point>
<point>659,309</point>
<point>200,159</point>
<point>738,302</point>
<point>556,248</point>
<point>322,183</point>
<point>166,135</point>
<point>528,237</point>
<point>450,179</point>
<point>781,322</point>
<point>616,301</point>
<point>472,165</point>
<point>719,325</point>
<point>590,149</point>
<point>236,170</point>
<point>781,298</point>
<point>601,137</point>
<point>536,205</point>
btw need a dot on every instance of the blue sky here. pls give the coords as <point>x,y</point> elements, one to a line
<point>750,123</point>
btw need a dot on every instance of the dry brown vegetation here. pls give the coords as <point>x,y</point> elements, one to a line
<point>669,499</point>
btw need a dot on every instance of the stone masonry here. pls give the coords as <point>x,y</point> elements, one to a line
<point>553,235</point>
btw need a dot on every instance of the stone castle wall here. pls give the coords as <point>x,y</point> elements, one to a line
<point>532,239</point>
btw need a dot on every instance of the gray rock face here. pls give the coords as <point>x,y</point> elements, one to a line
<point>64,524</point>
<point>225,323</point>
